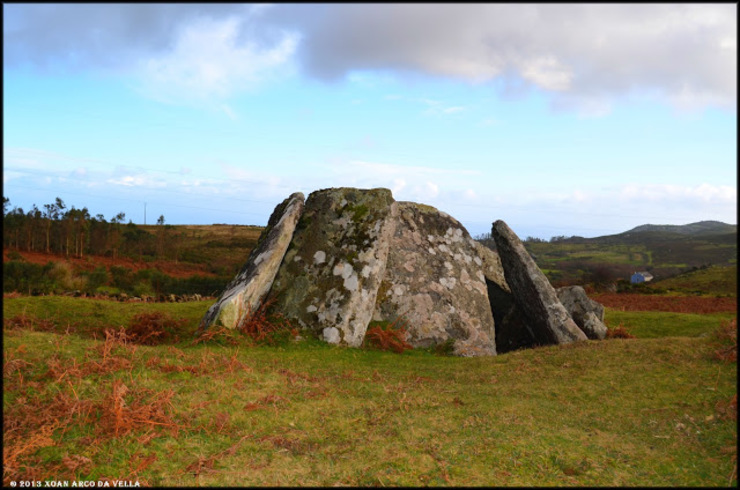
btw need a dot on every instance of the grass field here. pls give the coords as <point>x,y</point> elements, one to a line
<point>657,410</point>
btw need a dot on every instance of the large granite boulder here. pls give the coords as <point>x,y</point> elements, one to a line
<point>433,278</point>
<point>547,318</point>
<point>587,313</point>
<point>329,278</point>
<point>244,294</point>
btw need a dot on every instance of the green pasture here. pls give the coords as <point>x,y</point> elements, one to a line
<point>649,411</point>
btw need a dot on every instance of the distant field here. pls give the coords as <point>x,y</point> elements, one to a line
<point>719,280</point>
<point>657,410</point>
<point>665,254</point>
<point>659,302</point>
<point>224,248</point>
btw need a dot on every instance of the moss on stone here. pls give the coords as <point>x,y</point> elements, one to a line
<point>383,289</point>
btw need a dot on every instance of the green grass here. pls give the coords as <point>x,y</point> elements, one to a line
<point>88,317</point>
<point>645,411</point>
<point>657,324</point>
<point>716,279</point>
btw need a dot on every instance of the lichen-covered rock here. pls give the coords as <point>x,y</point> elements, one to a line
<point>329,277</point>
<point>434,281</point>
<point>587,313</point>
<point>246,291</point>
<point>546,316</point>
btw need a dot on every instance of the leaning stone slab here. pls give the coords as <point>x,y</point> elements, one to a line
<point>434,281</point>
<point>329,278</point>
<point>244,294</point>
<point>512,328</point>
<point>533,293</point>
<point>587,313</point>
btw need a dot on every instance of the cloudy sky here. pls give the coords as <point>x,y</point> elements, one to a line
<point>579,119</point>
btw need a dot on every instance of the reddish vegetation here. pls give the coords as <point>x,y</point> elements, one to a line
<point>726,338</point>
<point>391,337</point>
<point>677,304</point>
<point>88,263</point>
<point>619,332</point>
<point>261,325</point>
<point>35,420</point>
<point>154,328</point>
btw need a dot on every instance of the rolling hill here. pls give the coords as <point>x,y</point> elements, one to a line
<point>698,228</point>
<point>663,250</point>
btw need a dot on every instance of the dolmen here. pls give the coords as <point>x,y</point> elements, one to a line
<point>345,257</point>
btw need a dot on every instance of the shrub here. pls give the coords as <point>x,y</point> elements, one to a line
<point>96,278</point>
<point>27,278</point>
<point>264,327</point>
<point>154,328</point>
<point>725,340</point>
<point>618,332</point>
<point>446,348</point>
<point>388,336</point>
<point>15,255</point>
<point>122,277</point>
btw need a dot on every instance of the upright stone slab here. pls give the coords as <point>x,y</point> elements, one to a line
<point>329,278</point>
<point>433,279</point>
<point>244,294</point>
<point>512,327</point>
<point>533,293</point>
<point>587,313</point>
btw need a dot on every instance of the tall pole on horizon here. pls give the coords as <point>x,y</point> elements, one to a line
<point>145,212</point>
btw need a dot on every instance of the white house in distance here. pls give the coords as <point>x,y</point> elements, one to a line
<point>639,277</point>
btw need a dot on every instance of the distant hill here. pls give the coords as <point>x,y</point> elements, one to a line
<point>663,250</point>
<point>699,228</point>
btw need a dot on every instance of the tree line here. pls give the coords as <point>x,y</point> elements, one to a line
<point>75,232</point>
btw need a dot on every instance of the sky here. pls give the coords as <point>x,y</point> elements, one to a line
<point>560,119</point>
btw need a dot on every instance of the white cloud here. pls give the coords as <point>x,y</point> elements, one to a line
<point>398,186</point>
<point>680,53</point>
<point>432,190</point>
<point>138,180</point>
<point>702,193</point>
<point>547,72</point>
<point>683,54</point>
<point>207,63</point>
<point>453,110</point>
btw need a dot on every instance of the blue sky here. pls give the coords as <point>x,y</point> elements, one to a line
<point>559,119</point>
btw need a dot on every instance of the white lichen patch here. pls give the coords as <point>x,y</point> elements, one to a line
<point>464,277</point>
<point>262,257</point>
<point>319,257</point>
<point>448,282</point>
<point>342,222</point>
<point>311,309</point>
<point>351,282</point>
<point>331,335</point>
<point>338,269</point>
